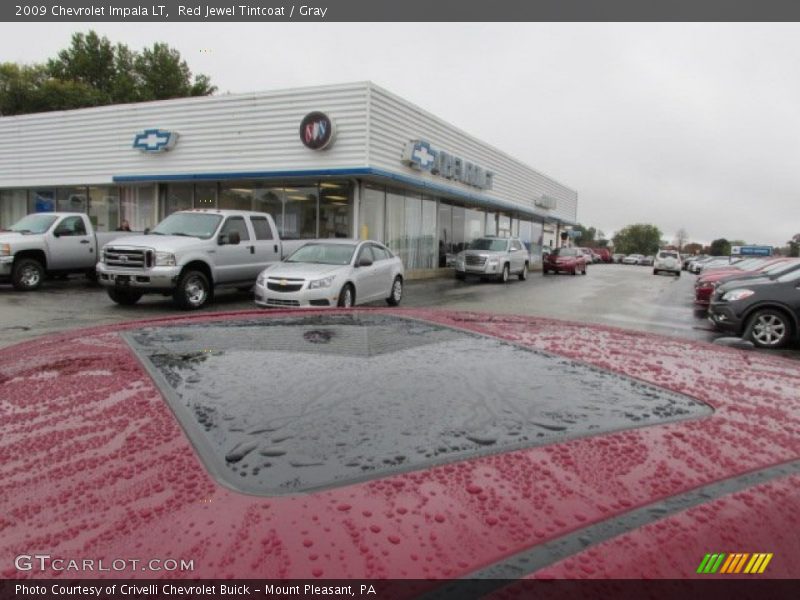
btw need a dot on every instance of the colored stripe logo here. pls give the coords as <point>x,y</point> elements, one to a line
<point>734,563</point>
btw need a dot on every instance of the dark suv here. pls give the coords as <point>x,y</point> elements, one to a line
<point>766,311</point>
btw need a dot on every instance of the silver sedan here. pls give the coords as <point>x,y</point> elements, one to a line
<point>332,273</point>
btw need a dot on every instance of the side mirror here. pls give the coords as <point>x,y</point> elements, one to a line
<point>364,262</point>
<point>146,230</point>
<point>56,233</point>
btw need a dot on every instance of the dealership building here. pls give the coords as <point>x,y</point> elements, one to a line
<point>350,160</point>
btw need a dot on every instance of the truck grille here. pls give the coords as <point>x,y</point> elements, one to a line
<point>127,258</point>
<point>475,261</point>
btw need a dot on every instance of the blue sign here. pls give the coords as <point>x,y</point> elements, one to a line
<point>155,140</point>
<point>751,251</point>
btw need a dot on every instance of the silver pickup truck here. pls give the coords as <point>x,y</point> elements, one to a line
<point>190,254</point>
<point>55,243</point>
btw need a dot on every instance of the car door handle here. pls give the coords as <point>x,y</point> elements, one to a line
<point>84,241</point>
<point>252,249</point>
<point>275,248</point>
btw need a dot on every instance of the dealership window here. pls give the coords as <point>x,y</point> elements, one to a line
<point>300,213</point>
<point>491,223</point>
<point>413,218</point>
<point>236,196</point>
<point>42,201</point>
<point>459,228</point>
<point>138,206</point>
<point>72,199</point>
<point>270,200</point>
<point>446,250</point>
<point>473,224</point>
<point>428,248</point>
<point>334,209</point>
<point>396,224</point>
<point>104,207</point>
<point>503,225</point>
<point>205,195</point>
<point>13,206</point>
<point>178,197</point>
<point>371,212</point>
<point>537,234</point>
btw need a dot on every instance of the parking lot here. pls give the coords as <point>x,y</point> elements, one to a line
<point>628,297</point>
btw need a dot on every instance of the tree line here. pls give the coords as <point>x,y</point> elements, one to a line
<point>94,72</point>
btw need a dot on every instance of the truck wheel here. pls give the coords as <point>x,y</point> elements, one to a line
<point>193,290</point>
<point>27,275</point>
<point>124,297</point>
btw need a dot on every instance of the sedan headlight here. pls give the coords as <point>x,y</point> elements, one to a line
<point>165,259</point>
<point>321,283</point>
<point>262,279</point>
<point>5,249</point>
<point>735,295</point>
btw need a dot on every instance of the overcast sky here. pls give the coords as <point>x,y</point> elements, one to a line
<point>679,125</point>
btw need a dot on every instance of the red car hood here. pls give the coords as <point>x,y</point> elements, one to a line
<point>93,464</point>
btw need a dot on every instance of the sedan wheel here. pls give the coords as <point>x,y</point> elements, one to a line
<point>769,329</point>
<point>347,296</point>
<point>397,292</point>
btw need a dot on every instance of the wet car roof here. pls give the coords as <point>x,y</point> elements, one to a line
<point>290,405</point>
<point>94,463</point>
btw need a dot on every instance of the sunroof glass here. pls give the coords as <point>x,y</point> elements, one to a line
<point>287,405</point>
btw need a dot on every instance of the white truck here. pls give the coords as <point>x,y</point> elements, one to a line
<point>190,254</point>
<point>53,243</point>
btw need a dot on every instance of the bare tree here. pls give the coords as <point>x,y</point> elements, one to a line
<point>680,238</point>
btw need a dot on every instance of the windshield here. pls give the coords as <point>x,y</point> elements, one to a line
<point>323,254</point>
<point>782,268</point>
<point>197,225</point>
<point>565,252</point>
<point>34,223</point>
<point>488,244</point>
<point>668,255</point>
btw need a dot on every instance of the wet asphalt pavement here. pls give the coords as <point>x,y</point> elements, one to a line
<point>628,297</point>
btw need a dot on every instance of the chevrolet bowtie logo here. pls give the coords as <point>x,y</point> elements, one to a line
<point>283,282</point>
<point>155,140</point>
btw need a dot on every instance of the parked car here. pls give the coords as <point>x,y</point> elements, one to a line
<point>617,258</point>
<point>647,261</point>
<point>371,446</point>
<point>332,273</point>
<point>764,310</point>
<point>711,262</point>
<point>53,243</point>
<point>688,258</point>
<point>707,282</point>
<point>587,252</point>
<point>668,261</point>
<point>604,254</point>
<point>565,260</point>
<point>493,257</point>
<point>190,254</point>
<point>632,259</point>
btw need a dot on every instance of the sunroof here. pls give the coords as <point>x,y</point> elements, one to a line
<point>287,405</point>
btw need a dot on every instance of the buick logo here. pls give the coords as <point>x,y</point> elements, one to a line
<point>317,131</point>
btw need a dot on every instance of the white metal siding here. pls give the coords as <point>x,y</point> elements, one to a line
<point>393,122</point>
<point>256,133</point>
<point>229,133</point>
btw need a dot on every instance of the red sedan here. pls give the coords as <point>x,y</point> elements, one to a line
<point>394,444</point>
<point>566,260</point>
<point>707,282</point>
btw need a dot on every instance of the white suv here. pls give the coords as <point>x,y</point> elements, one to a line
<point>669,261</point>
